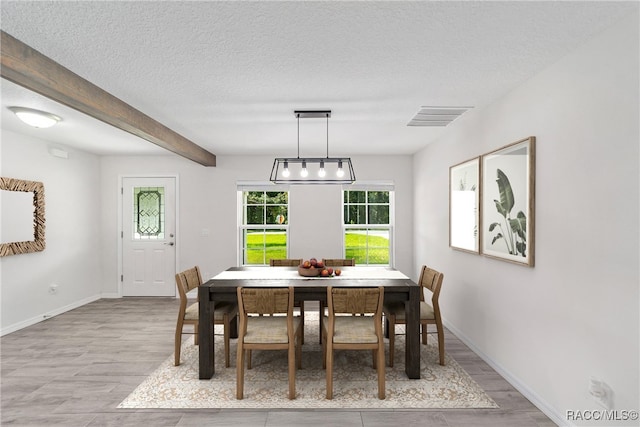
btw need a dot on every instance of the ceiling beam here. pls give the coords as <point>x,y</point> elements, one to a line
<point>29,68</point>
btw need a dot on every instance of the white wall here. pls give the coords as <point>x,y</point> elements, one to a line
<point>72,258</point>
<point>208,200</point>
<point>575,314</point>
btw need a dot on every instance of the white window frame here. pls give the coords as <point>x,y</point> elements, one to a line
<point>243,187</point>
<point>374,186</point>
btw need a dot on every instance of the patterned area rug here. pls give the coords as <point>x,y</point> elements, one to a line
<point>355,381</point>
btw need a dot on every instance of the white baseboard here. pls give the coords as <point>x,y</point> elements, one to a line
<point>110,295</point>
<point>37,319</point>
<point>533,397</point>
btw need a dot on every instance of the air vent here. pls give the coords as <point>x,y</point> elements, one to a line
<point>436,116</point>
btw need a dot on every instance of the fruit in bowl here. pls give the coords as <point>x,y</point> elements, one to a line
<point>312,267</point>
<point>338,271</point>
<point>308,272</point>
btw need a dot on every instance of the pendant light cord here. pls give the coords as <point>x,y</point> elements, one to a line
<point>327,135</point>
<point>298,135</point>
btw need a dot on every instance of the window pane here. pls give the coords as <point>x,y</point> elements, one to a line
<point>355,244</point>
<point>254,197</point>
<point>378,197</point>
<point>277,214</point>
<point>378,246</point>
<point>378,214</point>
<point>253,238</point>
<point>356,197</point>
<point>255,215</point>
<point>276,244</point>
<point>355,214</point>
<point>277,198</point>
<point>253,256</point>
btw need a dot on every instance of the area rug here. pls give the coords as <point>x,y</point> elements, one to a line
<point>266,386</point>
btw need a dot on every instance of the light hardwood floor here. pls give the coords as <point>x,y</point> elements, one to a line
<point>74,370</point>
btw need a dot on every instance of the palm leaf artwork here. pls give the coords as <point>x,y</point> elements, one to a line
<point>515,237</point>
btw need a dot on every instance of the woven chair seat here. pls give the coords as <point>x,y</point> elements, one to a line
<point>221,309</point>
<point>268,329</point>
<point>349,329</point>
<point>426,310</point>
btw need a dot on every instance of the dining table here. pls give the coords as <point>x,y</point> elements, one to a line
<point>223,287</point>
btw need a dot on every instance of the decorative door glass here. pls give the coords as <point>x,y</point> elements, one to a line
<point>148,213</point>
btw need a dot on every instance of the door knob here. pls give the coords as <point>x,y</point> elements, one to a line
<point>170,243</point>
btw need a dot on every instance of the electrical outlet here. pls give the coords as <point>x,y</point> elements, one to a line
<point>53,288</point>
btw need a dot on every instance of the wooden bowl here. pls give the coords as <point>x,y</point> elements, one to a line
<point>308,272</point>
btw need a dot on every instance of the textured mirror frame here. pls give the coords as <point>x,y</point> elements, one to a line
<point>38,244</point>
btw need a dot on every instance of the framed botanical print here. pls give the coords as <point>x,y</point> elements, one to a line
<point>464,206</point>
<point>508,201</point>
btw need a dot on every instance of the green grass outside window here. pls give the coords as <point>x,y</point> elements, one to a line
<point>274,246</point>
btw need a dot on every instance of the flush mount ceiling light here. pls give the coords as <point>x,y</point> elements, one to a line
<point>436,116</point>
<point>35,118</point>
<point>312,170</point>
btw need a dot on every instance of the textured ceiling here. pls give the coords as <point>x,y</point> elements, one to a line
<point>228,75</point>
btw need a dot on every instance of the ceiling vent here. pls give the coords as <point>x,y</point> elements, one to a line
<point>436,116</point>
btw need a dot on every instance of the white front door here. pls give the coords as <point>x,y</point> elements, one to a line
<point>148,236</point>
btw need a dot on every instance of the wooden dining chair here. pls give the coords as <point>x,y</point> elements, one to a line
<point>288,262</point>
<point>354,323</point>
<point>339,262</point>
<point>430,280</point>
<point>188,314</point>
<point>291,262</point>
<point>262,327</point>
<point>333,262</point>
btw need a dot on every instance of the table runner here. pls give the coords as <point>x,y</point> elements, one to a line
<point>269,273</point>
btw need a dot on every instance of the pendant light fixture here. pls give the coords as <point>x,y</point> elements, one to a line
<point>312,170</point>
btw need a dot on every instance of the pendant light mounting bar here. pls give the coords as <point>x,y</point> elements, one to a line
<point>312,114</point>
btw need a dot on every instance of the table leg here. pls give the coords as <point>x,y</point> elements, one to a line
<point>205,334</point>
<point>321,316</point>
<point>412,339</point>
<point>233,325</point>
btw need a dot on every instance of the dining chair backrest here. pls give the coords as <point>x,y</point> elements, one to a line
<point>339,262</point>
<point>290,262</point>
<point>431,279</point>
<point>355,300</point>
<point>187,281</point>
<point>264,301</point>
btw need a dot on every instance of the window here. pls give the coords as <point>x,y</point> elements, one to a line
<point>148,213</point>
<point>264,229</point>
<point>368,226</point>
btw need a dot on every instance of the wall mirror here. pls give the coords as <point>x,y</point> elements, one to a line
<point>23,221</point>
